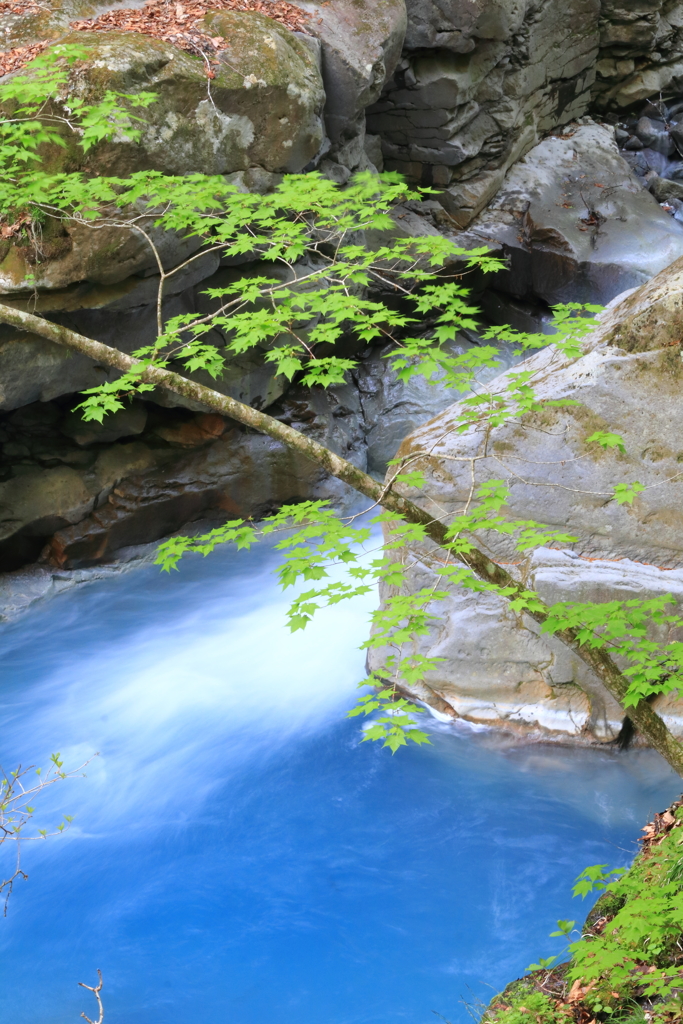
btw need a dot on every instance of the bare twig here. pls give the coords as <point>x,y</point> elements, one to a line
<point>95,989</point>
<point>16,811</point>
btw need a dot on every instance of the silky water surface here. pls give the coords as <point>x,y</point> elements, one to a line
<point>239,856</point>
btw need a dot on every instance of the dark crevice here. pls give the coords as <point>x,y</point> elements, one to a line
<point>628,730</point>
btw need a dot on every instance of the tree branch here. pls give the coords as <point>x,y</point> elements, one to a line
<point>644,718</point>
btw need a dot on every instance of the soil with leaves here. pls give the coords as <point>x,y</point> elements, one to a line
<point>627,964</point>
<point>177,23</point>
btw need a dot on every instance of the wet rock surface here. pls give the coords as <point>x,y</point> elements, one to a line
<point>575,222</point>
<point>72,499</point>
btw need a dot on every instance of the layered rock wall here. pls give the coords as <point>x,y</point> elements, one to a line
<point>641,52</point>
<point>478,84</point>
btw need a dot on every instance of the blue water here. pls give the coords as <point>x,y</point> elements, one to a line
<point>238,856</point>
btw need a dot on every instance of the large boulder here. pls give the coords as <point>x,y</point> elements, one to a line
<point>75,258</point>
<point>262,109</point>
<point>24,24</point>
<point>498,669</point>
<point>576,223</point>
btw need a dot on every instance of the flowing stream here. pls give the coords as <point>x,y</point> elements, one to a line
<point>238,856</point>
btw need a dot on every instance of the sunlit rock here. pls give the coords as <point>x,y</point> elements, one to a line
<point>498,668</point>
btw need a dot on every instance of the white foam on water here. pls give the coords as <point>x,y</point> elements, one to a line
<point>189,698</point>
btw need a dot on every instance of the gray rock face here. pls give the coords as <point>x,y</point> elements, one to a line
<point>69,492</point>
<point>88,490</point>
<point>497,668</point>
<point>576,223</point>
<point>641,52</point>
<point>361,43</point>
<point>126,422</point>
<point>124,316</point>
<point>391,408</point>
<point>480,82</point>
<point>477,85</point>
<point>436,24</point>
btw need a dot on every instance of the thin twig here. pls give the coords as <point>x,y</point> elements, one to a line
<point>95,989</point>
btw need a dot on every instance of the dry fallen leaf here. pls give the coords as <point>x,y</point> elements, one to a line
<point>15,59</point>
<point>575,992</point>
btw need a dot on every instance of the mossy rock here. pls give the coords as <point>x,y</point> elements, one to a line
<point>607,906</point>
<point>263,109</point>
<point>71,252</point>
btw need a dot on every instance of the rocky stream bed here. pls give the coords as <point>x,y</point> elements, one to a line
<point>548,133</point>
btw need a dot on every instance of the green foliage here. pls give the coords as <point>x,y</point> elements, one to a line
<point>544,964</point>
<point>627,966</point>
<point>564,928</point>
<point>607,440</point>
<point>592,878</point>
<point>17,797</point>
<point>522,1007</point>
<point>637,953</point>
<point>624,494</point>
<point>627,628</point>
